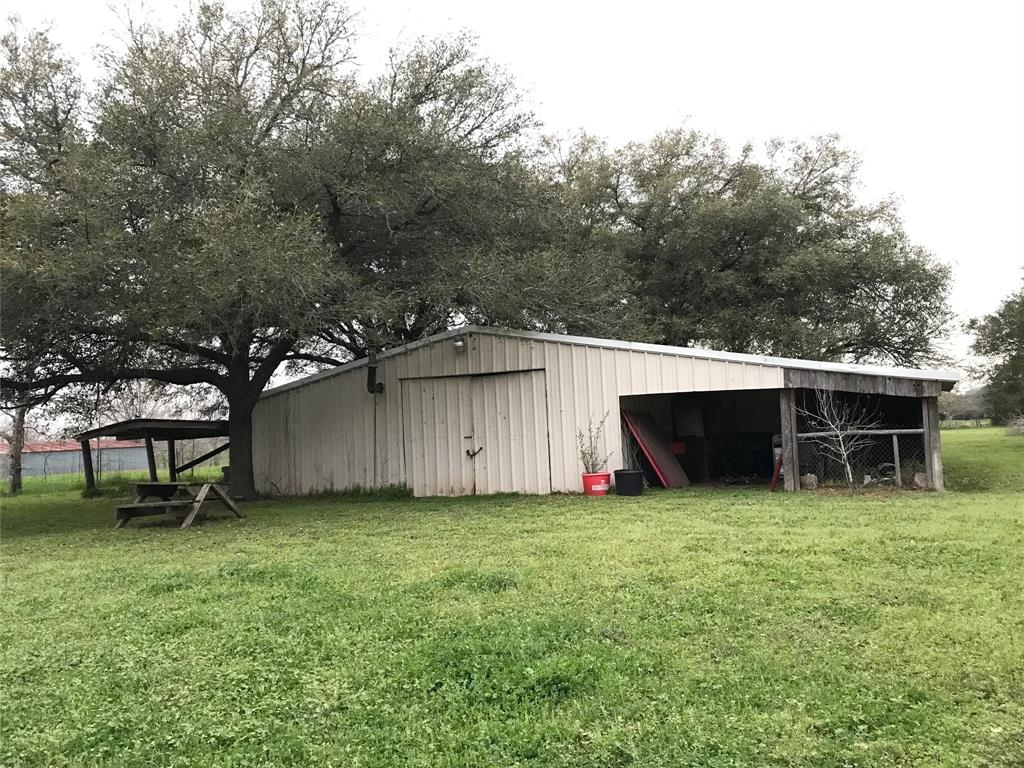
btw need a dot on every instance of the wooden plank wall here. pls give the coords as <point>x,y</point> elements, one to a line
<point>858,382</point>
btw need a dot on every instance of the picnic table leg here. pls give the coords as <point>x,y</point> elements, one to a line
<point>226,500</point>
<point>200,497</point>
<point>122,518</point>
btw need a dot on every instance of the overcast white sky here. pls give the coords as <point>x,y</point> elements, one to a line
<point>930,94</point>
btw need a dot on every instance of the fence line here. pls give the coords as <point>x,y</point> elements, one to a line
<point>893,457</point>
<point>863,432</point>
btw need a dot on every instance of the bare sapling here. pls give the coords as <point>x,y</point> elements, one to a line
<point>590,446</point>
<point>840,429</point>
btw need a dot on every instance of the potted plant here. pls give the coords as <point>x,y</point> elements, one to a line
<point>596,478</point>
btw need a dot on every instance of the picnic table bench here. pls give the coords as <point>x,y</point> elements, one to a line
<point>172,496</point>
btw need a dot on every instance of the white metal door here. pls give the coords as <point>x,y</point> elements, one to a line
<point>437,420</point>
<point>510,433</point>
<point>477,434</point>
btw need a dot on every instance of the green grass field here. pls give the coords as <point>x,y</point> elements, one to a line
<point>696,628</point>
<point>111,483</point>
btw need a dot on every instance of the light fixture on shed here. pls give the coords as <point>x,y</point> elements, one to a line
<point>460,344</point>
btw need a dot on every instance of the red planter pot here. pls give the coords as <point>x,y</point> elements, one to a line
<point>596,483</point>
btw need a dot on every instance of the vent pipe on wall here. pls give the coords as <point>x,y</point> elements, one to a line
<point>373,386</point>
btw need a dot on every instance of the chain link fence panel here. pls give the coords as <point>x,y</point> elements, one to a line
<point>885,457</point>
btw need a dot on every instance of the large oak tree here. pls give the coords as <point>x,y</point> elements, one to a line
<point>234,197</point>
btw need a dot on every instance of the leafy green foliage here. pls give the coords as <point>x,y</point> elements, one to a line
<point>40,109</point>
<point>964,406</point>
<point>710,628</point>
<point>1000,337</point>
<point>775,257</point>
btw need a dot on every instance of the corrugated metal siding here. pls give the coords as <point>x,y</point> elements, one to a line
<point>45,463</point>
<point>510,430</point>
<point>501,419</point>
<point>332,434</point>
<point>437,430</point>
<point>316,438</point>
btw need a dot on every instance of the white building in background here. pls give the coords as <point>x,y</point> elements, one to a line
<point>64,457</point>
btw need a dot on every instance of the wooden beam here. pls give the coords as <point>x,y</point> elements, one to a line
<point>790,447</point>
<point>932,443</point>
<point>90,474</point>
<point>865,432</point>
<point>172,469</point>
<point>204,457</point>
<point>151,459</point>
<point>799,378</point>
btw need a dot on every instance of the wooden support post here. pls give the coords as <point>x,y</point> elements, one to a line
<point>896,460</point>
<point>790,447</point>
<point>172,469</point>
<point>932,443</point>
<point>90,474</point>
<point>151,459</point>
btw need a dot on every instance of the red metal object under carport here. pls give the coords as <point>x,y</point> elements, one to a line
<point>656,448</point>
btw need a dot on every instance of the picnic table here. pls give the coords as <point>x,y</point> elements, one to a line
<point>174,495</point>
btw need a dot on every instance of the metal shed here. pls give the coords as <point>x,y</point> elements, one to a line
<point>60,457</point>
<point>487,410</point>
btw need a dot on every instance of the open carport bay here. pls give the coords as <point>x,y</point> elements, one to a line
<point>733,436</point>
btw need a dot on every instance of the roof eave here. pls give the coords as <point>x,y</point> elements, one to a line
<point>948,378</point>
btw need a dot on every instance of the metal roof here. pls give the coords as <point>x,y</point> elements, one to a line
<point>159,429</point>
<point>57,446</point>
<point>945,376</point>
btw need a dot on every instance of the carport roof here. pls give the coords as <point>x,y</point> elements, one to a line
<point>159,429</point>
<point>946,377</point>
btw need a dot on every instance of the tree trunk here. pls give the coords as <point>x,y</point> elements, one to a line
<point>243,389</point>
<point>242,482</point>
<point>17,442</point>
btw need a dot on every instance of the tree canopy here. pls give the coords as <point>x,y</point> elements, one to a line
<point>776,257</point>
<point>999,337</point>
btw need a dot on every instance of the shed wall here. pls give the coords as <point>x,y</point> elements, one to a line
<point>46,463</point>
<point>330,433</point>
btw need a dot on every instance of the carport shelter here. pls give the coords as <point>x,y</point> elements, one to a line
<point>167,430</point>
<point>487,410</point>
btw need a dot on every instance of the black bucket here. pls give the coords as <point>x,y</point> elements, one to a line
<point>629,482</point>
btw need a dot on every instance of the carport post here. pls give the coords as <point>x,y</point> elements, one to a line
<point>90,475</point>
<point>896,460</point>
<point>172,470</point>
<point>150,458</point>
<point>790,448</point>
<point>932,443</point>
